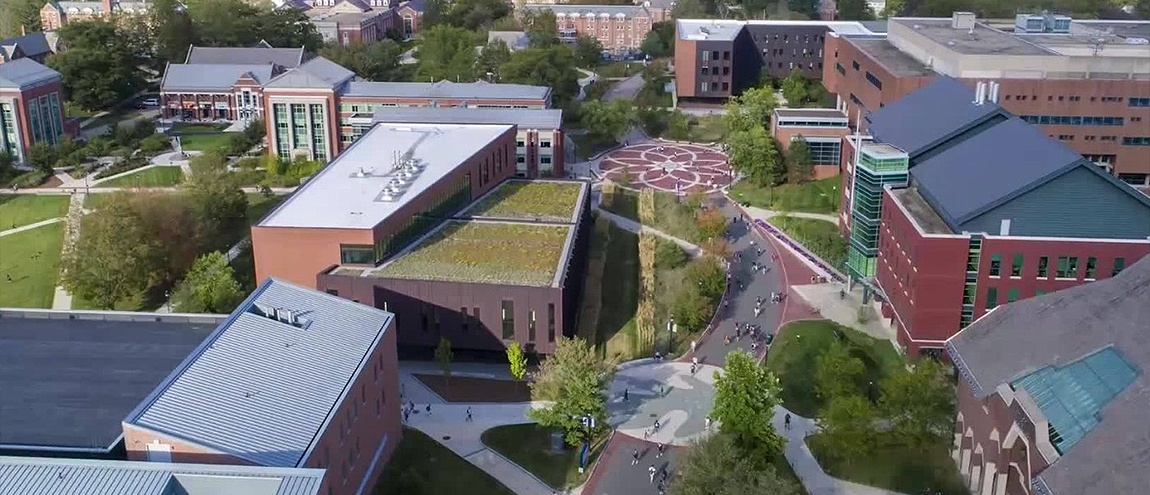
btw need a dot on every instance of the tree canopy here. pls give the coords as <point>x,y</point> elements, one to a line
<point>746,394</point>
<point>754,154</point>
<point>18,16</point>
<point>573,379</point>
<point>210,286</point>
<point>716,465</point>
<point>800,165</point>
<point>660,40</point>
<point>101,63</point>
<point>110,260</point>
<point>919,402</point>
<point>751,109</point>
<point>447,52</point>
<point>588,51</point>
<point>377,61</point>
<point>607,120</point>
<point>553,66</point>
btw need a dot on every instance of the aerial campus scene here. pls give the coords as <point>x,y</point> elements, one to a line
<point>599,247</point>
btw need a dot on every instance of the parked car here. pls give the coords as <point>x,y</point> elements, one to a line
<point>150,102</point>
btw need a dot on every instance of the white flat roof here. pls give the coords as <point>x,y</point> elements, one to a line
<point>351,192</point>
<point>725,29</point>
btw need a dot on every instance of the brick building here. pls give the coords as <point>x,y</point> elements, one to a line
<point>410,15</point>
<point>957,207</point>
<point>822,128</point>
<point>349,21</point>
<point>294,378</point>
<point>31,107</point>
<point>53,14</point>
<point>36,46</point>
<point>220,83</point>
<point>1053,392</point>
<point>1087,83</point>
<point>718,59</point>
<point>320,108</point>
<point>619,28</point>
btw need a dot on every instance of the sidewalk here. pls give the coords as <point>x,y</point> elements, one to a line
<point>62,299</point>
<point>30,226</point>
<point>762,214</point>
<point>633,226</point>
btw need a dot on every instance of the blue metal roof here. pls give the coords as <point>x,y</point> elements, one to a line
<point>1072,396</point>
<point>261,389</point>
<point>41,476</point>
<point>928,115</point>
<point>989,169</point>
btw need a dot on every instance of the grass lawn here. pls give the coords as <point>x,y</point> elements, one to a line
<point>205,141</point>
<point>619,295</point>
<point>618,69</point>
<point>591,302</point>
<point>17,210</point>
<point>476,389</point>
<point>114,117</point>
<point>819,236</point>
<point>197,128</point>
<point>32,259</point>
<point>706,129</point>
<point>672,216</point>
<point>586,147</point>
<point>552,201</point>
<point>894,467</point>
<point>529,445</point>
<point>421,465</point>
<point>259,205</point>
<point>793,353</point>
<point>819,196</point>
<point>151,177</point>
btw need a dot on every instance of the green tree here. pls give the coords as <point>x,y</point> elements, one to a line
<point>541,27</point>
<point>113,257</point>
<point>491,58</point>
<point>608,120</point>
<point>241,23</point>
<point>475,14</point>
<point>919,403</point>
<point>660,40</point>
<point>653,120</point>
<point>795,88</point>
<point>7,166</point>
<point>800,165</point>
<point>711,224</point>
<point>754,154</point>
<point>855,10</point>
<point>172,31</point>
<point>716,465</point>
<point>99,66</point>
<point>708,276</point>
<point>751,109</point>
<point>678,126</point>
<point>691,309</point>
<point>838,373</point>
<point>848,427</point>
<point>746,394</point>
<point>376,61</point>
<point>1142,9</point>
<point>554,67</point>
<point>588,51</point>
<point>443,356</point>
<point>517,361</point>
<point>43,156</point>
<point>209,287</point>
<point>218,206</point>
<point>447,53</point>
<point>573,380</point>
<point>19,16</point>
<point>693,9</point>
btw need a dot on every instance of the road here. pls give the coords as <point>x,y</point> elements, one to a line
<point>625,89</point>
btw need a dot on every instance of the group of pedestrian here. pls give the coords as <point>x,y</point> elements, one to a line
<point>652,471</point>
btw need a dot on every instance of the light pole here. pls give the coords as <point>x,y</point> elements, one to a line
<point>670,334</point>
<point>588,425</point>
<point>168,298</point>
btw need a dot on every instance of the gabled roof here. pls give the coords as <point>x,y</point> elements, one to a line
<point>262,389</point>
<point>211,77</point>
<point>995,167</point>
<point>288,58</point>
<point>415,5</point>
<point>24,73</point>
<point>929,115</point>
<point>319,73</point>
<point>524,118</point>
<point>1057,330</point>
<point>479,90</point>
<point>44,476</point>
<point>33,44</point>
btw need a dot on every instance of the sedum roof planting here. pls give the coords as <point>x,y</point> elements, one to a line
<point>550,201</point>
<point>484,252</point>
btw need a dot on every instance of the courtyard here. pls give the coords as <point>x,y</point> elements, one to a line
<point>668,167</point>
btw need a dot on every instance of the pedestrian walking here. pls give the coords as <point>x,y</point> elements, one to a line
<point>787,421</point>
<point>651,470</point>
<point>468,414</point>
<point>694,344</point>
<point>707,423</point>
<point>626,394</point>
<point>656,425</point>
<point>634,457</point>
<point>429,410</point>
<point>406,413</point>
<point>662,447</point>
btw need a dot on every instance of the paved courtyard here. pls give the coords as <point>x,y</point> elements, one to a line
<point>666,392</point>
<point>669,167</point>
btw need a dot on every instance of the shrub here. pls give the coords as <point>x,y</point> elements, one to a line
<point>154,144</point>
<point>668,255</point>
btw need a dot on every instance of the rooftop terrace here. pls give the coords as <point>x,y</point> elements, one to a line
<point>895,60</point>
<point>508,253</point>
<point>541,201</point>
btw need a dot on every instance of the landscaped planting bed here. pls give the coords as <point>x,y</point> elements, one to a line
<point>484,252</point>
<point>551,201</point>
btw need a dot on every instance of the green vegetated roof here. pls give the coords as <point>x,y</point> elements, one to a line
<point>530,200</point>
<point>484,252</point>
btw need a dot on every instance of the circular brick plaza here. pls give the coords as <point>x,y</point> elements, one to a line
<point>669,167</point>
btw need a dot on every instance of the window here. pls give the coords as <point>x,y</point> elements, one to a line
<point>840,69</point>
<point>1136,141</point>
<point>435,319</point>
<point>874,81</point>
<point>1119,265</point>
<point>1011,295</point>
<point>1091,268</point>
<point>531,326</point>
<point>991,298</point>
<point>855,64</point>
<point>508,308</point>
<point>1043,267</point>
<point>1016,266</point>
<point>332,292</point>
<point>1067,267</point>
<point>463,324</point>
<point>356,254</point>
<point>551,323</point>
<point>995,264</point>
<point>545,143</point>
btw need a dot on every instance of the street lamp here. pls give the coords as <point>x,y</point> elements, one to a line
<point>168,297</point>
<point>670,334</point>
<point>588,425</point>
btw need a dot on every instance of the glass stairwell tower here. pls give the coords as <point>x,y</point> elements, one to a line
<point>877,164</point>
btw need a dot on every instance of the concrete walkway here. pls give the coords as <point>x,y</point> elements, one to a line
<point>62,299</point>
<point>814,479</point>
<point>763,214</point>
<point>30,226</point>
<point>633,226</point>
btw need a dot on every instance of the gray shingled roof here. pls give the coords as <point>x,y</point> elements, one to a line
<point>32,44</point>
<point>990,168</point>
<point>1056,329</point>
<point>525,118</point>
<point>317,73</point>
<point>69,382</point>
<point>928,115</point>
<point>210,77</point>
<point>479,90</point>
<point>43,476</point>
<point>515,40</point>
<point>23,73</point>
<point>288,58</point>
<point>261,389</point>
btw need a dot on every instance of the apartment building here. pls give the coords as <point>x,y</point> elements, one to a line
<point>53,14</point>
<point>349,21</point>
<point>1052,388</point>
<point>956,207</point>
<point>619,28</point>
<point>293,379</point>
<point>223,83</point>
<point>717,59</point>
<point>1086,83</point>
<point>31,107</point>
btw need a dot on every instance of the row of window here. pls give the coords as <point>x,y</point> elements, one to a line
<point>1126,141</point>
<point>1103,99</point>
<point>351,416</point>
<point>1138,102</point>
<point>785,38</point>
<point>794,53</point>
<point>715,54</point>
<point>1068,120</point>
<point>714,71</point>
<point>1136,141</point>
<point>1067,266</point>
<point>507,320</point>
